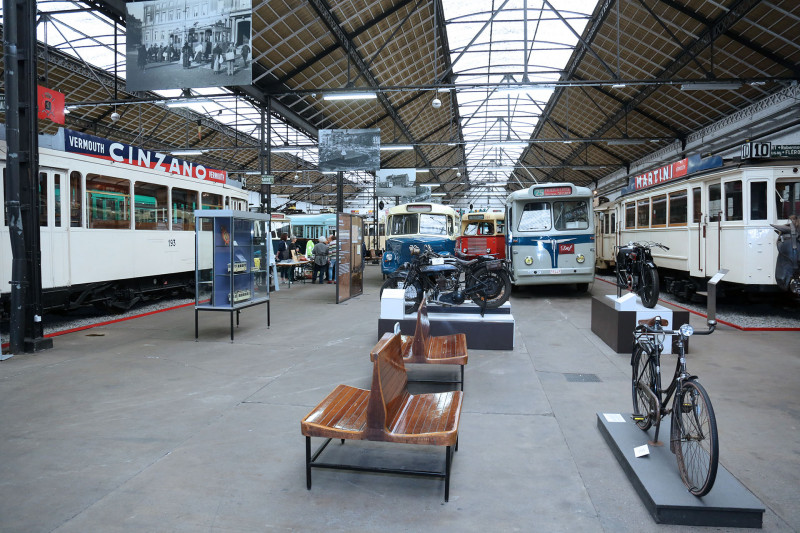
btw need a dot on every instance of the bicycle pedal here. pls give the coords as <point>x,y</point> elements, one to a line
<point>637,418</point>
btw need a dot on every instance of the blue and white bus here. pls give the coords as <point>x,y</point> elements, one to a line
<point>550,235</point>
<point>420,224</point>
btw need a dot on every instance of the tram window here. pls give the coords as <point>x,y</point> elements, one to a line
<point>571,215</point>
<point>535,217</point>
<point>787,201</point>
<point>758,200</point>
<point>501,227</point>
<point>613,227</point>
<point>677,208</point>
<point>659,210</point>
<point>435,224</point>
<point>5,198</point>
<point>697,204</point>
<point>211,201</point>
<point>150,206</point>
<point>43,199</point>
<point>184,202</point>
<point>714,202</point>
<point>382,230</point>
<point>57,204</point>
<point>109,202</point>
<point>643,213</point>
<point>630,215</point>
<point>733,200</point>
<point>75,200</point>
<point>404,224</point>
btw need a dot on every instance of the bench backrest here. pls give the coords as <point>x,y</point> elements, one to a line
<point>423,332</point>
<point>389,386</point>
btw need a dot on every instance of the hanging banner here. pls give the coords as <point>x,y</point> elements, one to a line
<point>50,104</point>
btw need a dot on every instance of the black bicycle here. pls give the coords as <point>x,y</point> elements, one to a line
<point>637,272</point>
<point>693,428</point>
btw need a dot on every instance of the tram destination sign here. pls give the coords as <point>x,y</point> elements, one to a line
<point>764,150</point>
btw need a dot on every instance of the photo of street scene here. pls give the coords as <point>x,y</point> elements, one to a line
<point>341,150</point>
<point>177,44</point>
<point>396,182</point>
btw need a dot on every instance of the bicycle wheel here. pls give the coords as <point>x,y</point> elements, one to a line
<point>645,409</point>
<point>649,287</point>
<point>696,444</point>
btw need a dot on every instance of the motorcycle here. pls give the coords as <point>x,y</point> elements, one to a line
<point>450,280</point>
<point>637,272</point>
<point>787,267</point>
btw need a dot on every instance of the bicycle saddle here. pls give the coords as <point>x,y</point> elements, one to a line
<point>650,322</point>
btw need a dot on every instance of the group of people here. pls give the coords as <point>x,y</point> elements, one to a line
<point>221,55</point>
<point>322,254</point>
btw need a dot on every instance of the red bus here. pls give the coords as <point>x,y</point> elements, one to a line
<point>483,233</point>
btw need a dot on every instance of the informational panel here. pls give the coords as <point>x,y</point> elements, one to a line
<point>350,262</point>
<point>342,150</point>
<point>188,43</point>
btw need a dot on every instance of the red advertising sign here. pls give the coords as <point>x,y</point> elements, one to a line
<point>552,191</point>
<point>566,248</point>
<point>50,104</point>
<point>668,172</point>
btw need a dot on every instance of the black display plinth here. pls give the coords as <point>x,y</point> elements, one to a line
<point>494,331</point>
<point>615,327</point>
<point>658,483</point>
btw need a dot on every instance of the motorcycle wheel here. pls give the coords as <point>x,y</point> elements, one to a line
<point>413,293</point>
<point>498,288</point>
<point>649,289</point>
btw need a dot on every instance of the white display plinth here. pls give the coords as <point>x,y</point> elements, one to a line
<point>393,304</point>
<point>631,302</point>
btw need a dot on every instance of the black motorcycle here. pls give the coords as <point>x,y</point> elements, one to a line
<point>787,267</point>
<point>637,272</point>
<point>450,280</point>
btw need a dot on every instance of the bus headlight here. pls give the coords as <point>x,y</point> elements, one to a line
<point>529,260</point>
<point>387,257</point>
<point>488,250</point>
<point>580,258</point>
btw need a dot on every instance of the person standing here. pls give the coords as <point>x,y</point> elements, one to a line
<point>293,251</point>
<point>245,54</point>
<point>230,58</point>
<point>217,58</point>
<point>320,253</point>
<point>282,254</point>
<point>310,248</point>
<point>333,248</point>
<point>186,53</point>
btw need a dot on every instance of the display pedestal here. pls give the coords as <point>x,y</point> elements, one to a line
<point>658,483</point>
<point>613,320</point>
<point>493,331</point>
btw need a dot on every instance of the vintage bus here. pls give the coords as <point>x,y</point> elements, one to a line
<point>420,224</point>
<point>483,233</point>
<point>550,235</point>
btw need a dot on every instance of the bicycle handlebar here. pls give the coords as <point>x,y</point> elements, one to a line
<point>642,329</point>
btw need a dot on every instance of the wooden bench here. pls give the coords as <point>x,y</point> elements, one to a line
<point>387,413</point>
<point>422,348</point>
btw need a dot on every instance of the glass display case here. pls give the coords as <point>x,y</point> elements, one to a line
<point>232,251</point>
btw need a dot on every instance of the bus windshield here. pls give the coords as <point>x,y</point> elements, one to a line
<point>535,217</point>
<point>424,223</point>
<point>572,214</point>
<point>479,228</point>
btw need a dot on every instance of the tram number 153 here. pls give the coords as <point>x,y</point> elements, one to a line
<point>171,242</point>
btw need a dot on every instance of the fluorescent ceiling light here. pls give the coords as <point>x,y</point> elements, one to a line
<point>624,142</point>
<point>618,85</point>
<point>286,149</point>
<point>300,185</point>
<point>421,170</point>
<point>385,147</point>
<point>192,101</point>
<point>330,172</point>
<point>187,152</point>
<point>588,167</point>
<point>253,173</point>
<point>497,169</point>
<point>438,194</point>
<point>566,141</point>
<point>350,96</point>
<point>711,86</point>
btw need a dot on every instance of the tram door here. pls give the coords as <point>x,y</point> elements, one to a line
<point>53,223</point>
<point>711,232</point>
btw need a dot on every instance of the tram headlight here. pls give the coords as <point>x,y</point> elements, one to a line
<point>529,260</point>
<point>686,330</point>
<point>580,258</point>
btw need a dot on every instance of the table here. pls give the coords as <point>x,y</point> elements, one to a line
<point>293,264</point>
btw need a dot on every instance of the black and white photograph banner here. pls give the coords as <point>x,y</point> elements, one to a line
<point>178,44</point>
<point>342,150</point>
<point>396,182</point>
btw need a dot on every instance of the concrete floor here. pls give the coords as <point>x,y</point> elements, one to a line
<point>136,427</point>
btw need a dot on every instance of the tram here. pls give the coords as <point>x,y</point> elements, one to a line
<point>278,225</point>
<point>605,223</point>
<point>550,235</point>
<point>712,216</point>
<point>482,233</point>
<point>420,224</point>
<point>116,221</point>
<point>377,237</point>
<point>307,227</point>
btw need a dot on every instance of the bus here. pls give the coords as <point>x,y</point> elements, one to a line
<point>483,233</point>
<point>420,224</point>
<point>550,235</point>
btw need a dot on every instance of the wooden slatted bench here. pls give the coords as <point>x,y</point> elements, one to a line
<point>387,413</point>
<point>422,348</point>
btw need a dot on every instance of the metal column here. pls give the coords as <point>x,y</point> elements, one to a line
<point>22,168</point>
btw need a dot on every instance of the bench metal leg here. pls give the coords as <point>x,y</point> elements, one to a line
<point>462,378</point>
<point>308,463</point>
<point>448,460</point>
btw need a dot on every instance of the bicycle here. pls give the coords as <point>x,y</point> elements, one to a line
<point>693,431</point>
